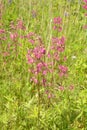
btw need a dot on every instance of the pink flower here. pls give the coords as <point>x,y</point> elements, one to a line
<point>85,27</point>
<point>59,43</point>
<point>34,80</point>
<point>5,54</point>
<point>31,41</point>
<point>30,60</point>
<point>86,14</point>
<point>63,70</point>
<point>39,52</point>
<point>57,20</point>
<point>49,55</point>
<point>60,49</point>
<point>85,1</point>
<point>3,38</point>
<point>49,95</point>
<point>54,27</point>
<point>44,82</point>
<point>85,6</point>
<point>71,87</point>
<point>59,29</point>
<point>62,40</point>
<point>20,44</point>
<point>44,72</point>
<point>13,36</point>
<point>20,25</point>
<point>65,58</point>
<point>9,46</point>
<point>2,31</point>
<point>12,25</point>
<point>39,67</point>
<point>61,88</point>
<point>29,35</point>
<point>56,56</point>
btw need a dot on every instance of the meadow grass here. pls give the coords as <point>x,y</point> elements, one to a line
<point>67,110</point>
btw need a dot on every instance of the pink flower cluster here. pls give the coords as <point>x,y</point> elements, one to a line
<point>2,31</point>
<point>58,43</point>
<point>85,4</point>
<point>35,58</point>
<point>85,1</point>
<point>20,25</point>
<point>35,54</point>
<point>44,63</point>
<point>57,21</point>
<point>85,7</point>
<point>13,36</point>
<point>62,70</point>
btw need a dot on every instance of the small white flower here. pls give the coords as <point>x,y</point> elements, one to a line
<point>51,20</point>
<point>73,57</point>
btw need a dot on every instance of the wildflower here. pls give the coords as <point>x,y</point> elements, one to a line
<point>20,25</point>
<point>49,55</point>
<point>71,87</point>
<point>57,20</point>
<point>29,35</point>
<point>39,52</point>
<point>31,41</point>
<point>13,36</point>
<point>49,95</point>
<point>44,72</point>
<point>30,59</point>
<point>85,6</point>
<point>56,56</point>
<point>54,27</point>
<point>85,1</point>
<point>73,57</point>
<point>65,58</point>
<point>44,82</point>
<point>5,54</point>
<point>9,46</point>
<point>12,25</point>
<point>20,44</point>
<point>63,70</point>
<point>59,29</point>
<point>85,27</point>
<point>39,67</point>
<point>61,88</point>
<point>34,80</point>
<point>86,14</point>
<point>2,31</point>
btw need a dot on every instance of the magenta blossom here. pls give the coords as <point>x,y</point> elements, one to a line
<point>2,31</point>
<point>39,52</point>
<point>85,6</point>
<point>57,20</point>
<point>63,70</point>
<point>34,80</point>
<point>61,88</point>
<point>85,1</point>
<point>13,36</point>
<point>30,59</point>
<point>20,25</point>
<point>71,87</point>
